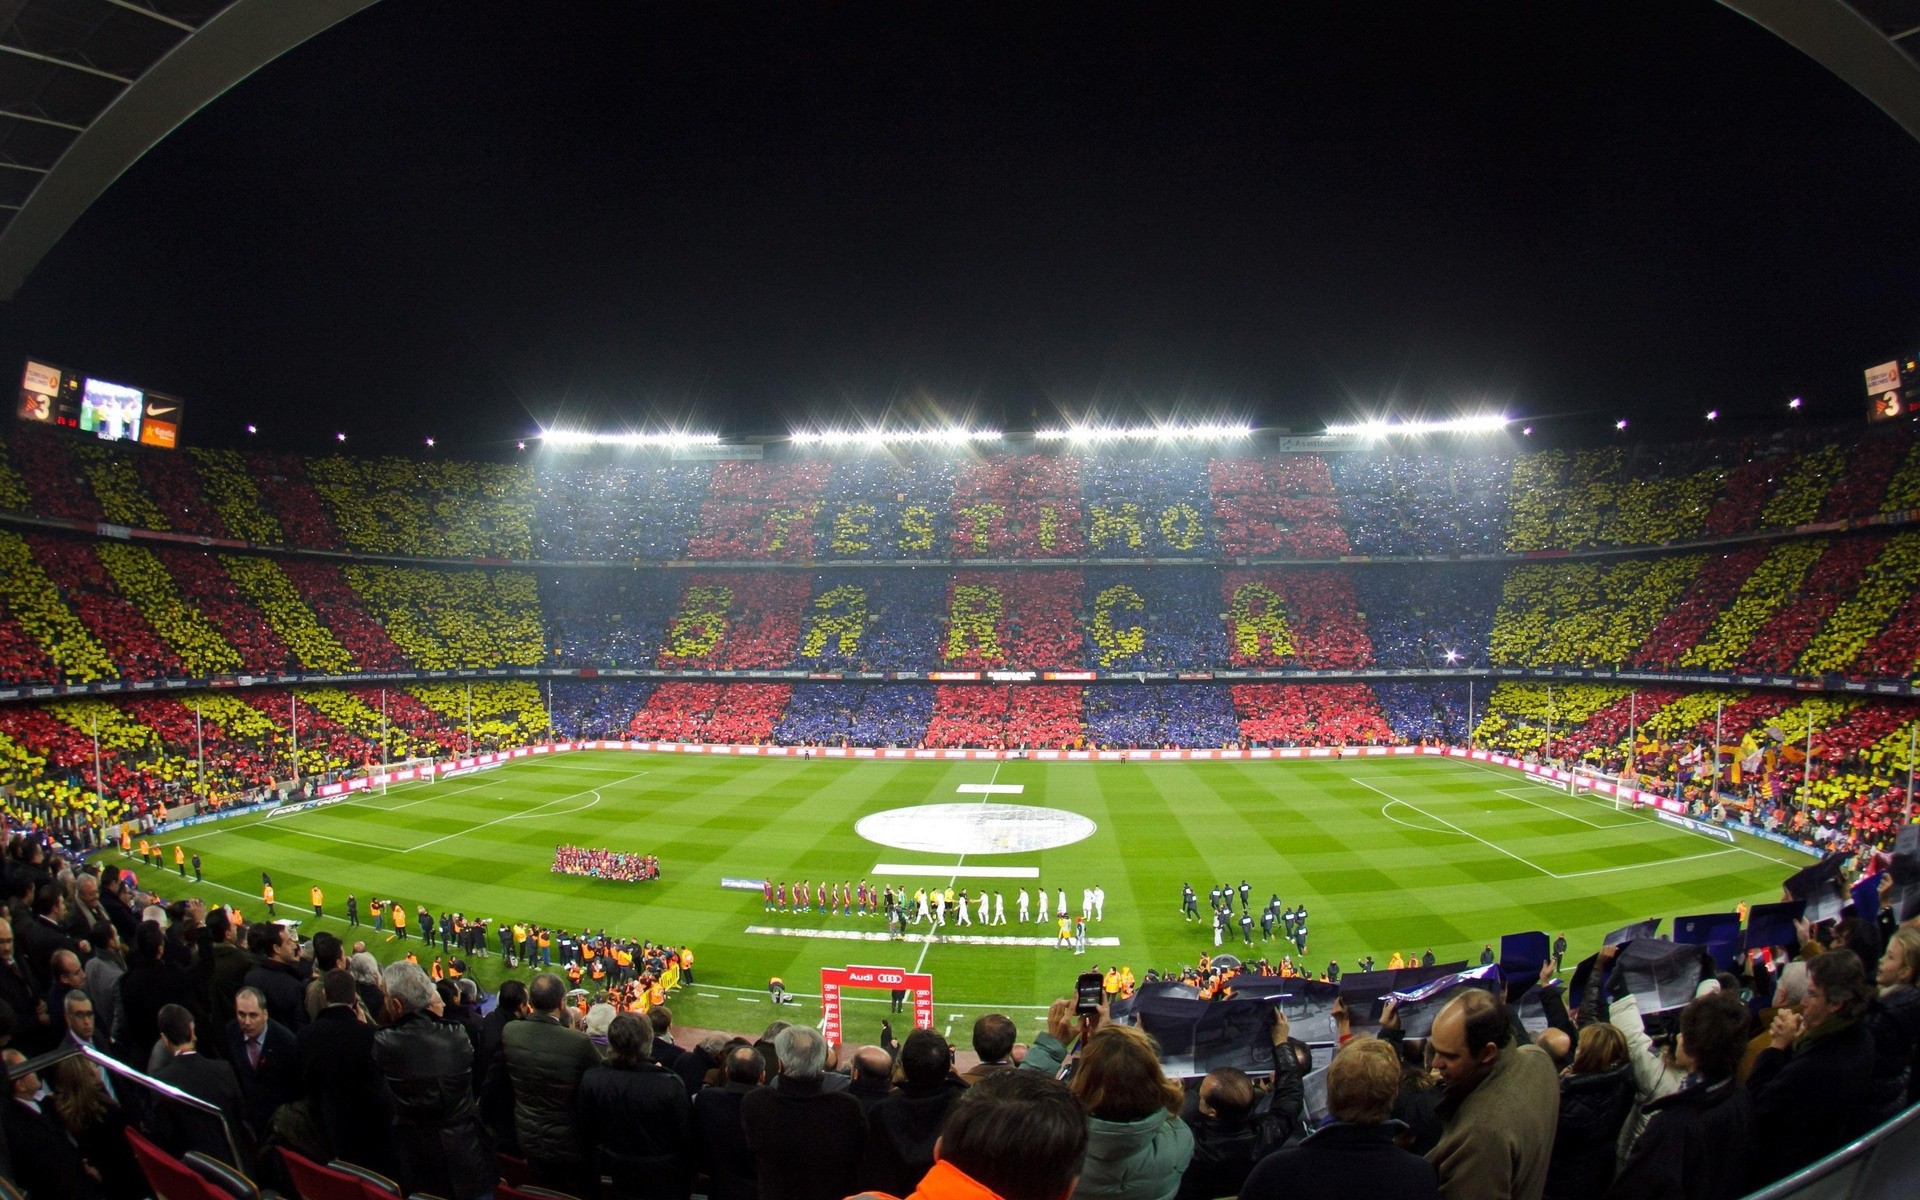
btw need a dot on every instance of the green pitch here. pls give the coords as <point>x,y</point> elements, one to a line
<point>1387,854</point>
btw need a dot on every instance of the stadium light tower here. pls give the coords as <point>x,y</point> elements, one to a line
<point>1379,428</point>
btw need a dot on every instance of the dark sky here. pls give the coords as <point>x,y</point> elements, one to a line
<point>462,220</point>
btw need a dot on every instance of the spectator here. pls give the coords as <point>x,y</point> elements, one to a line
<point>279,973</point>
<point>428,1068</point>
<point>1016,1135</point>
<point>1137,1146</point>
<point>1894,1020</point>
<point>635,1115</point>
<point>993,1039</point>
<point>340,1080</point>
<point>545,1061</point>
<point>97,1125</point>
<point>45,1163</point>
<point>264,1059</point>
<point>902,1128</point>
<point>720,1140</point>
<point>494,1088</point>
<point>180,1129</point>
<point>1809,1086</point>
<point>1498,1113</point>
<point>1596,1094</point>
<point>1232,1129</point>
<point>806,1140</point>
<point>223,966</point>
<point>872,1078</point>
<point>1354,1154</point>
<point>1697,1143</point>
<point>150,985</point>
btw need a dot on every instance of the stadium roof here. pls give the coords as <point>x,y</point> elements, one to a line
<point>88,86</point>
<point>1872,45</point>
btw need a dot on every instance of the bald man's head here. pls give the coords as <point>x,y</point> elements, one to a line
<point>871,1062</point>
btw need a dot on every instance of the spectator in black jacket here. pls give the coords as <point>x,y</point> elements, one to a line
<point>1232,1128</point>
<point>1354,1154</point>
<point>808,1141</point>
<point>636,1117</point>
<point>279,973</point>
<point>264,1058</point>
<point>546,1060</point>
<point>148,986</point>
<point>872,1077</point>
<point>902,1128</point>
<point>1809,1086</point>
<point>428,1067</point>
<point>338,1077</point>
<point>1697,1143</point>
<point>1596,1094</point>
<point>44,1160</point>
<point>179,1128</point>
<point>720,1141</point>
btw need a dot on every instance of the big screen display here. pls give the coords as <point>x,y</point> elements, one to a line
<point>111,411</point>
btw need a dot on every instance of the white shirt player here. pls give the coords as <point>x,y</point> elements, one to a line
<point>1099,904</point>
<point>1026,909</point>
<point>1043,904</point>
<point>963,912</point>
<point>1063,902</point>
<point>939,908</point>
<point>1086,902</point>
<point>999,908</point>
<point>923,908</point>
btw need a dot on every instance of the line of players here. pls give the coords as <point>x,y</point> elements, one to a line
<point>1292,921</point>
<point>925,904</point>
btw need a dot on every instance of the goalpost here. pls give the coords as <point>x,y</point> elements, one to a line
<point>1583,780</point>
<point>387,775</point>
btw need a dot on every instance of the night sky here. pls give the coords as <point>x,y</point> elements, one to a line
<point>462,220</point>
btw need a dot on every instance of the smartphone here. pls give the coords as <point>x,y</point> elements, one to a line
<point>1088,993</point>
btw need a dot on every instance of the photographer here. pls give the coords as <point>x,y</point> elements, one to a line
<point>1137,1147</point>
<point>1234,1126</point>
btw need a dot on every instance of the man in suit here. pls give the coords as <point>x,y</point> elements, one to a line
<point>264,1057</point>
<point>339,1078</point>
<point>18,992</point>
<point>67,975</point>
<point>42,934</point>
<point>179,1128</point>
<point>45,1162</point>
<point>87,911</point>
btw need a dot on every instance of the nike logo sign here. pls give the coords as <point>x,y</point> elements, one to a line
<point>161,410</point>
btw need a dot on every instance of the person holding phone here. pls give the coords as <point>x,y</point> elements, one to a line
<point>1137,1146</point>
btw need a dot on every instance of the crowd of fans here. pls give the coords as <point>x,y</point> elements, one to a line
<point>1015,505</point>
<point>1572,1082</point>
<point>624,866</point>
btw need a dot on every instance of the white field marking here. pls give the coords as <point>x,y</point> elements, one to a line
<point>564,813</point>
<point>296,831</point>
<point>1637,866</point>
<point>510,816</point>
<point>956,939</point>
<point>992,789</point>
<point>854,995</point>
<point>409,785</point>
<point>1450,825</point>
<point>928,943</point>
<point>1780,862</point>
<point>1410,825</point>
<point>959,872</point>
<point>1536,866</point>
<point>1514,794</point>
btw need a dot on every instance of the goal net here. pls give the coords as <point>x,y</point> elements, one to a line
<point>1598,785</point>
<point>401,772</point>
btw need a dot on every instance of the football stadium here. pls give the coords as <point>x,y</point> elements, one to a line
<point>1026,798</point>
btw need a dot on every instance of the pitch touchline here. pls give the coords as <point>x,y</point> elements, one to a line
<point>927,943</point>
<point>1779,862</point>
<point>1450,825</point>
<point>528,812</point>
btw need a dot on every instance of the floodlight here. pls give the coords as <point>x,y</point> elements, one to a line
<point>580,439</point>
<point>1378,428</point>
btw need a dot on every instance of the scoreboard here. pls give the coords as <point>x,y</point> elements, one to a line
<point>112,412</point>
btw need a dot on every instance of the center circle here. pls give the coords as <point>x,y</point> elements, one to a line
<point>974,828</point>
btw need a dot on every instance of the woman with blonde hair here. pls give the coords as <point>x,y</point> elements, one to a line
<point>1137,1145</point>
<point>1596,1094</point>
<point>1894,1019</point>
